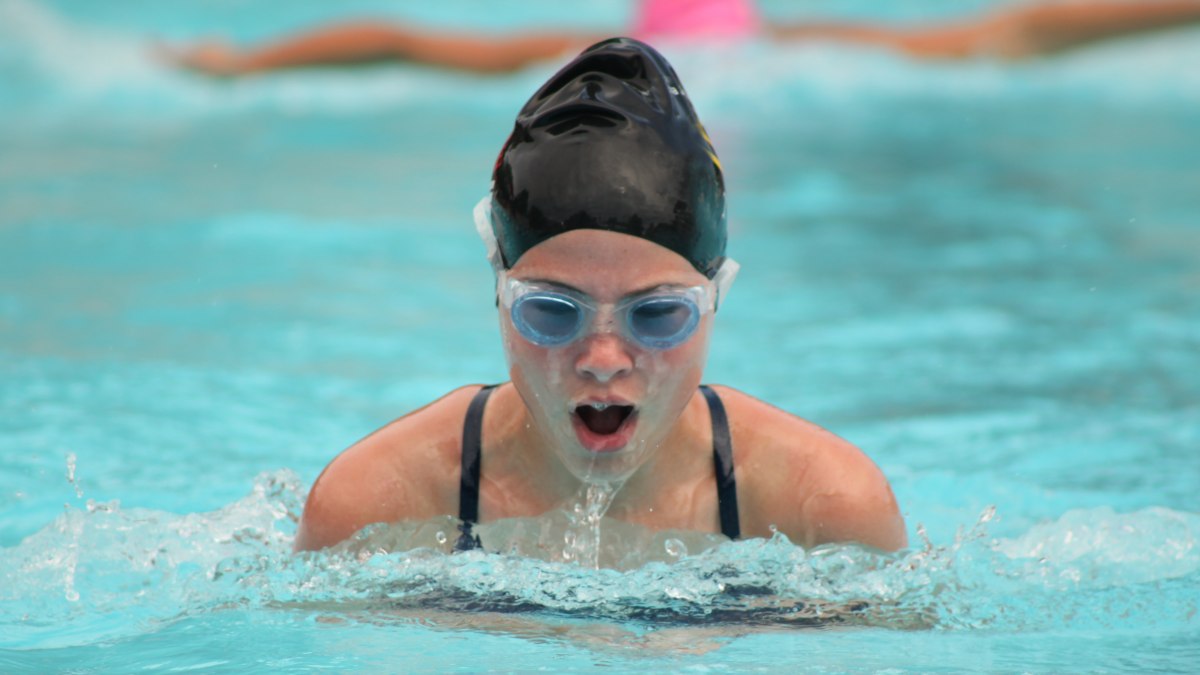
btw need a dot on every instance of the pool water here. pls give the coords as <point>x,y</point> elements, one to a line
<point>985,275</point>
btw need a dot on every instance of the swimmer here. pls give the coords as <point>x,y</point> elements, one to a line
<point>606,229</point>
<point>1020,32</point>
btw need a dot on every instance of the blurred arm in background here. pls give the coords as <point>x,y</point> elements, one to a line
<point>1013,33</point>
<point>368,42</point>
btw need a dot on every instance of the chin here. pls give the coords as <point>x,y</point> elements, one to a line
<point>616,465</point>
<point>614,468</point>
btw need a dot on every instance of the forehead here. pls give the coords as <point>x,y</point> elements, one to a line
<point>605,263</point>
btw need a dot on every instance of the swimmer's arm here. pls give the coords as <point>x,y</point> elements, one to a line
<point>1018,32</point>
<point>1055,27</point>
<point>833,495</point>
<point>329,516</point>
<point>408,470</point>
<point>806,482</point>
<point>372,42</point>
<point>857,505</point>
<point>350,494</point>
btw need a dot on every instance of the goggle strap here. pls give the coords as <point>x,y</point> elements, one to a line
<point>483,226</point>
<point>723,279</point>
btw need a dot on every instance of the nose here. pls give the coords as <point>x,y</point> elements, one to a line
<point>603,357</point>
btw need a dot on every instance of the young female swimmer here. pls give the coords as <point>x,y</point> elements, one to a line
<point>606,227</point>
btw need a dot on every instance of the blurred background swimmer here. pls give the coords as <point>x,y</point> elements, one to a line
<point>1008,33</point>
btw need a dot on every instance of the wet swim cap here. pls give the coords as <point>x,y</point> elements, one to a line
<point>611,142</point>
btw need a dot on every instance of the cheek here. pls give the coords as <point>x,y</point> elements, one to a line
<point>689,356</point>
<point>538,368</point>
<point>673,374</point>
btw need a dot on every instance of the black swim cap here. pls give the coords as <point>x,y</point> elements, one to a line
<point>611,142</point>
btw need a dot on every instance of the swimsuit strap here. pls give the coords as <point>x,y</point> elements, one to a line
<point>468,483</point>
<point>723,463</point>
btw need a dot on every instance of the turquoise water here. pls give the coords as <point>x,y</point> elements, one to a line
<point>984,275</point>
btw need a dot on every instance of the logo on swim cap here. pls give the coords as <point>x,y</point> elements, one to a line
<point>611,142</point>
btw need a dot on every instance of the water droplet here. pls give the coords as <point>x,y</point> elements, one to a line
<point>71,475</point>
<point>675,548</point>
<point>440,537</point>
<point>72,595</point>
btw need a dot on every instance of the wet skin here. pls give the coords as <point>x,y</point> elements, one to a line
<point>808,483</point>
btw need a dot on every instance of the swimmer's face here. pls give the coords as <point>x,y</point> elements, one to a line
<point>604,401</point>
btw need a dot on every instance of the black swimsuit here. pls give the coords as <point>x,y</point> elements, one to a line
<point>472,444</point>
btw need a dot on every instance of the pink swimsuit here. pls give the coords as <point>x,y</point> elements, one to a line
<point>694,20</point>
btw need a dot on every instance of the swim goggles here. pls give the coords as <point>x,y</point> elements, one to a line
<point>552,316</point>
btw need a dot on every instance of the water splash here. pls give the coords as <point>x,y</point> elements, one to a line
<point>147,565</point>
<point>1089,568</point>
<point>581,541</point>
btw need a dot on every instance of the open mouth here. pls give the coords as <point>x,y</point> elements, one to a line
<point>603,419</point>
<point>604,427</point>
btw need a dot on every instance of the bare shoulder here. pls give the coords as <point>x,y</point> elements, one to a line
<point>809,483</point>
<point>406,470</point>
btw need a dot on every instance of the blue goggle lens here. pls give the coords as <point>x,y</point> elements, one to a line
<point>662,323</point>
<point>547,319</point>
